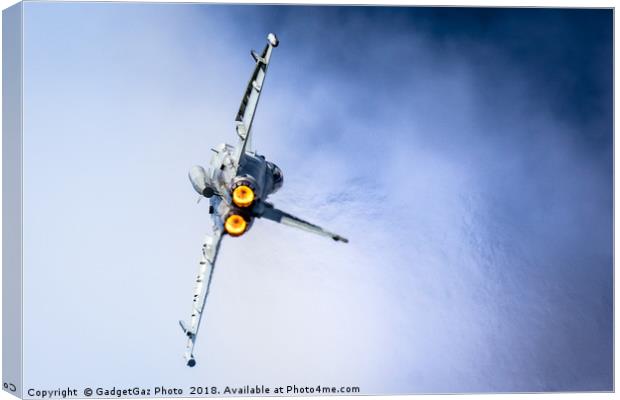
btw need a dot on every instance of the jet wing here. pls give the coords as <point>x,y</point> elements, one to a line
<point>247,109</point>
<point>272,213</point>
<point>210,250</point>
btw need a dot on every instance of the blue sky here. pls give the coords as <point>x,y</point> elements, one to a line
<point>465,153</point>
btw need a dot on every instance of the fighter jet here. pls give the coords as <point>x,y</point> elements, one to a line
<point>237,184</point>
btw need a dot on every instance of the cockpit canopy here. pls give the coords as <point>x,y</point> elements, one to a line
<point>277,176</point>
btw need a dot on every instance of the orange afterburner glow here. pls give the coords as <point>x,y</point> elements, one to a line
<point>235,225</point>
<point>243,196</point>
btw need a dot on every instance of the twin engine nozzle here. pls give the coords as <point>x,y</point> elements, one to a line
<point>243,194</point>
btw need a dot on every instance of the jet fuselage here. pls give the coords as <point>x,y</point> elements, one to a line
<point>255,175</point>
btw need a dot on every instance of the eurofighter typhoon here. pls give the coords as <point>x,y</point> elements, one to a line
<point>237,183</point>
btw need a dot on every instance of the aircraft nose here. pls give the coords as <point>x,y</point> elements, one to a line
<point>198,178</point>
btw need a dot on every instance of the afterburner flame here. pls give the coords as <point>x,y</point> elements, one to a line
<point>235,225</point>
<point>243,196</point>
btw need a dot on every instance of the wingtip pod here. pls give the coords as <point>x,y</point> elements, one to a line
<point>190,361</point>
<point>338,238</point>
<point>273,39</point>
